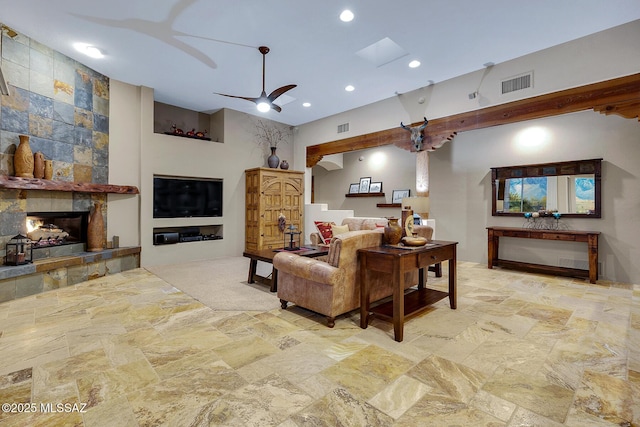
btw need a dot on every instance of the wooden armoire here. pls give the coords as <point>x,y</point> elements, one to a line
<point>270,192</point>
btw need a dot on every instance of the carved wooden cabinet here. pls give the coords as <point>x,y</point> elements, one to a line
<point>270,192</point>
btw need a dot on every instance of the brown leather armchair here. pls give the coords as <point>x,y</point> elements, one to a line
<point>332,287</point>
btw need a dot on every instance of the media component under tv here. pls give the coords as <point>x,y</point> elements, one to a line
<point>181,197</point>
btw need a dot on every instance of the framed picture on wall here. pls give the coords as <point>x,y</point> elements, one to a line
<point>398,195</point>
<point>364,185</point>
<point>375,187</point>
<point>353,188</point>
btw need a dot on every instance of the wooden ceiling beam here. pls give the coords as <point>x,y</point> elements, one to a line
<point>619,96</point>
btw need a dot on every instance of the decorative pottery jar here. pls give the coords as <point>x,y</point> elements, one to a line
<point>95,229</point>
<point>273,161</point>
<point>48,169</point>
<point>284,165</point>
<point>38,165</point>
<point>392,232</point>
<point>23,158</point>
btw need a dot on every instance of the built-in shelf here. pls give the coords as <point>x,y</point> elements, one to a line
<point>365,195</point>
<point>203,138</point>
<point>169,235</point>
<point>16,183</point>
<point>388,205</point>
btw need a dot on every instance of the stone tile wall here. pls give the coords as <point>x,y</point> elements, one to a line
<point>64,108</point>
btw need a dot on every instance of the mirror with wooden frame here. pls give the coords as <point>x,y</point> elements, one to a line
<point>571,188</point>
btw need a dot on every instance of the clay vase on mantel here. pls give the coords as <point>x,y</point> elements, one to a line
<point>23,158</point>
<point>95,229</point>
<point>38,165</point>
<point>48,169</point>
<point>273,161</point>
<point>392,232</point>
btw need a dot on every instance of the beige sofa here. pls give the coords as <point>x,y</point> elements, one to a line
<point>366,223</point>
<point>332,287</point>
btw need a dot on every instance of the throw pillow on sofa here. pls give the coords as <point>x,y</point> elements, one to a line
<point>324,229</point>
<point>338,229</point>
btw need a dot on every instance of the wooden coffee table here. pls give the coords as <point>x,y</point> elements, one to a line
<point>266,255</point>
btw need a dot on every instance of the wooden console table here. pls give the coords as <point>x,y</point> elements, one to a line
<point>589,237</point>
<point>397,261</point>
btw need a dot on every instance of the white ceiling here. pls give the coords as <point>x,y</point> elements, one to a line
<point>188,49</point>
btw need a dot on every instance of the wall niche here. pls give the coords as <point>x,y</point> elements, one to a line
<point>182,122</point>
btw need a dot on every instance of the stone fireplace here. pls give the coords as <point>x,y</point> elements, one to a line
<point>68,123</point>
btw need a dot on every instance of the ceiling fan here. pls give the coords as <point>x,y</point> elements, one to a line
<point>264,102</point>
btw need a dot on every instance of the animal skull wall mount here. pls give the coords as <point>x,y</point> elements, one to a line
<point>417,137</point>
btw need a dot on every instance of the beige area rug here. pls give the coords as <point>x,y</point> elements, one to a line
<point>220,283</point>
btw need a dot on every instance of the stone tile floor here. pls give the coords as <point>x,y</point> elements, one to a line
<point>129,349</point>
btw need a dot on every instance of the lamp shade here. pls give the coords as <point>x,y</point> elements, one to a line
<point>419,205</point>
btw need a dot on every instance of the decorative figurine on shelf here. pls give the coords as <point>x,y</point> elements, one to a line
<point>201,134</point>
<point>192,132</point>
<point>176,130</point>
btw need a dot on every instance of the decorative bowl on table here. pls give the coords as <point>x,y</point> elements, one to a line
<point>414,241</point>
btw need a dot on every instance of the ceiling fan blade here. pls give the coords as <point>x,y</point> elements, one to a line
<point>276,108</point>
<point>276,93</point>
<point>240,97</point>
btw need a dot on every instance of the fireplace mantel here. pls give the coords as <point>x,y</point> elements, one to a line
<point>16,183</point>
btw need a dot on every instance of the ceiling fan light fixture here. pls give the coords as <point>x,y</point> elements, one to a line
<point>264,103</point>
<point>263,106</point>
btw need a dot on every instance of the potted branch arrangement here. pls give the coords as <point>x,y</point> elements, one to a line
<point>271,135</point>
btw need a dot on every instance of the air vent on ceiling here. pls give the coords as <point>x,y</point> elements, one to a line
<point>512,84</point>
<point>343,128</point>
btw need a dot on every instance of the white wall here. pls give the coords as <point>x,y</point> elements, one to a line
<point>123,215</point>
<point>460,190</point>
<point>459,171</point>
<point>393,166</point>
<point>137,153</point>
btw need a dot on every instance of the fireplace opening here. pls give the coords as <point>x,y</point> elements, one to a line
<point>46,229</point>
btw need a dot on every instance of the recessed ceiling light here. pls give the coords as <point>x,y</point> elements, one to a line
<point>306,104</point>
<point>349,88</point>
<point>88,50</point>
<point>414,64</point>
<point>346,16</point>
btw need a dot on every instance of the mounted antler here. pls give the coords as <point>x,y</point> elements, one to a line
<point>416,134</point>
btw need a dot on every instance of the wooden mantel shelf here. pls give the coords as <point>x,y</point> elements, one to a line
<point>16,183</point>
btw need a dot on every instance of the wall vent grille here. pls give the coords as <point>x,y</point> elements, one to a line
<point>343,128</point>
<point>516,83</point>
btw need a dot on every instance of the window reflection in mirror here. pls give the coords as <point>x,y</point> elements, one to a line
<point>568,194</point>
<point>554,187</point>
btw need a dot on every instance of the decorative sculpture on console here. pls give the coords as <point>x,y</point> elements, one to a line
<point>544,220</point>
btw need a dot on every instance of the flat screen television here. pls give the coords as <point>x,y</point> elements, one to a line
<point>181,197</point>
